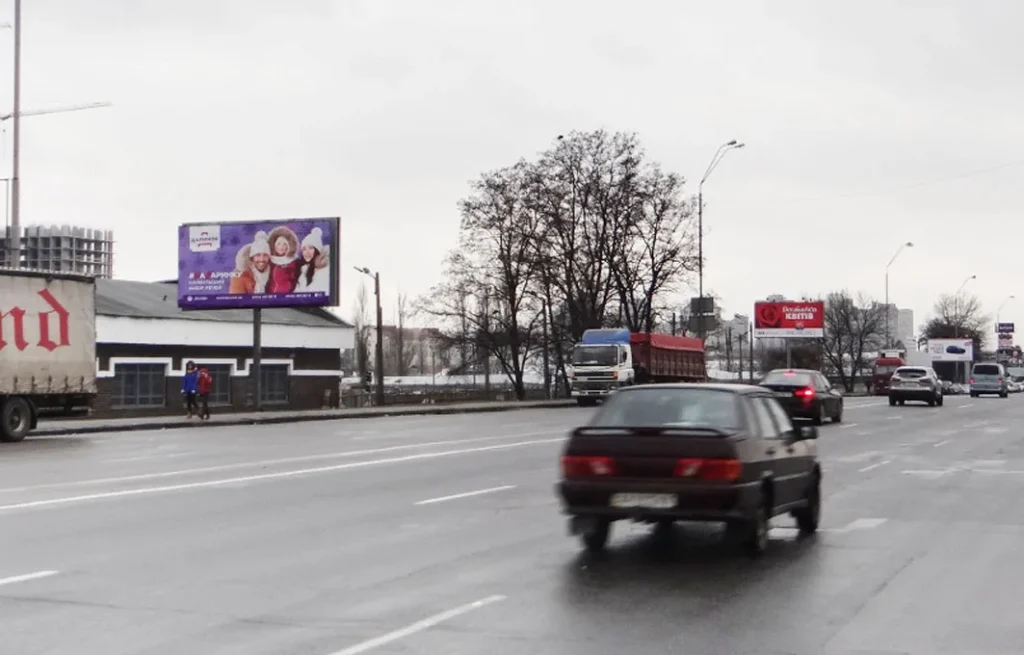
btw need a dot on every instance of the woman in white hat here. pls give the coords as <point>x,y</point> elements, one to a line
<point>314,274</point>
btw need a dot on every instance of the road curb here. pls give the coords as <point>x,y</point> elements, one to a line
<point>177,423</point>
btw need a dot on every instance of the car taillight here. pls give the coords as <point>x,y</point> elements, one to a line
<point>806,393</point>
<point>1000,380</point>
<point>708,469</point>
<point>972,381</point>
<point>587,467</point>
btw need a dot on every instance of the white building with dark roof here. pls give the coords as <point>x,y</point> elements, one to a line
<point>144,340</point>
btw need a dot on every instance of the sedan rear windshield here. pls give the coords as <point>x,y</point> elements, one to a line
<point>986,369</point>
<point>911,372</point>
<point>788,378</point>
<point>670,407</point>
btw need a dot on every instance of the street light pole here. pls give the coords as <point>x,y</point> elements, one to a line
<point>14,237</point>
<point>379,347</point>
<point>888,334</point>
<point>719,154</point>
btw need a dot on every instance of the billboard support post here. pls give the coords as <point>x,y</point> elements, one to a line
<point>257,356</point>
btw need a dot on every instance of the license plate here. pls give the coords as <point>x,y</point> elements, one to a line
<point>783,394</point>
<point>653,501</point>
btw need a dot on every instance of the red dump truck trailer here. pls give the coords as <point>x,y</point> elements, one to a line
<point>47,346</point>
<point>669,358</point>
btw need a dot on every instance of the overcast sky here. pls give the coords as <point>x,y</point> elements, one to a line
<point>867,124</point>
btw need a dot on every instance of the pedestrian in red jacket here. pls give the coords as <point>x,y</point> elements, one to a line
<point>203,385</point>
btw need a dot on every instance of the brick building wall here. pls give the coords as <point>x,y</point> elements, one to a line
<point>304,391</point>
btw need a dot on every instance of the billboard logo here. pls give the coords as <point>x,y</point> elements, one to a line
<point>203,238</point>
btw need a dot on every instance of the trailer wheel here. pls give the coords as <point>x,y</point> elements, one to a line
<point>15,419</point>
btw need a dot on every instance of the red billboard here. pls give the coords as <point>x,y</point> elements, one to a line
<point>789,319</point>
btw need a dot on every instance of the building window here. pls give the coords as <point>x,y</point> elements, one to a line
<point>140,385</point>
<point>273,383</point>
<point>220,391</point>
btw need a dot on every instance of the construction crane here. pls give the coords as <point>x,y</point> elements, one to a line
<point>54,110</point>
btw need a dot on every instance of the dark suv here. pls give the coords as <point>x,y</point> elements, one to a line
<point>690,452</point>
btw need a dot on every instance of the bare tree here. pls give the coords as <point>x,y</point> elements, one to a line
<point>590,198</point>
<point>403,352</point>
<point>853,326</point>
<point>492,275</point>
<point>958,316</point>
<point>660,249</point>
<point>363,329</point>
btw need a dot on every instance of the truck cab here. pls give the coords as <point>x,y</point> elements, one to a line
<point>601,363</point>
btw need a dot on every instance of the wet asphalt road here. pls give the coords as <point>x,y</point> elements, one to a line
<point>441,535</point>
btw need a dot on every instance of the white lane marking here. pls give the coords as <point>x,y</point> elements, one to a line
<point>929,474</point>
<point>468,494</point>
<point>875,465</point>
<point>419,626</point>
<point>847,426</point>
<point>27,577</point>
<point>860,524</point>
<point>273,462</point>
<point>269,476</point>
<point>895,418</point>
<point>942,443</point>
<point>965,406</point>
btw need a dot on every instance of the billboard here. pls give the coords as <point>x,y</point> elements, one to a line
<point>291,262</point>
<point>951,350</point>
<point>789,318</point>
<point>1004,328</point>
<point>1005,341</point>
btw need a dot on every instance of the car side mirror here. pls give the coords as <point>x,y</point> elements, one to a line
<point>806,432</point>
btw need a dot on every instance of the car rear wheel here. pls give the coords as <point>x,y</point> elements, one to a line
<point>940,400</point>
<point>892,401</point>
<point>595,537</point>
<point>838,418</point>
<point>820,416</point>
<point>807,518</point>
<point>756,542</point>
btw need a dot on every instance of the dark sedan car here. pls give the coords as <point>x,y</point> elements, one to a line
<point>805,394</point>
<point>690,452</point>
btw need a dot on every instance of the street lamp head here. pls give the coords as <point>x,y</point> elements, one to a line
<point>910,244</point>
<point>739,145</point>
<point>732,143</point>
<point>363,269</point>
<point>973,277</point>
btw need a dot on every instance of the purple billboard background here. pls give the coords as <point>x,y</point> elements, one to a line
<point>216,271</point>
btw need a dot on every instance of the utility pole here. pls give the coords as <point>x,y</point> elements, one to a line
<point>547,361</point>
<point>14,238</point>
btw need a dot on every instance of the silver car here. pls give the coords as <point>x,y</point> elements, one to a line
<point>919,383</point>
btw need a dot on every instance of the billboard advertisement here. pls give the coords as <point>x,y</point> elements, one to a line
<point>291,262</point>
<point>1004,328</point>
<point>951,350</point>
<point>789,319</point>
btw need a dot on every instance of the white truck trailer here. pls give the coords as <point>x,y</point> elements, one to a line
<point>47,346</point>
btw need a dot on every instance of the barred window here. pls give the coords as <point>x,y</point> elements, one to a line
<point>274,383</point>
<point>140,385</point>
